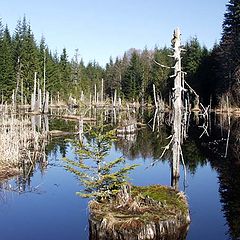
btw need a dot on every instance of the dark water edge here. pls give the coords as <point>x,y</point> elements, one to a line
<point>45,206</point>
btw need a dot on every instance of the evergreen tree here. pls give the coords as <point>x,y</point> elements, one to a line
<point>229,52</point>
<point>7,82</point>
<point>94,74</point>
<point>102,179</point>
<point>64,73</point>
<point>52,72</point>
<point>83,77</point>
<point>160,75</point>
<point>146,65</point>
<point>109,76</point>
<point>132,79</point>
<point>193,58</point>
<point>25,56</point>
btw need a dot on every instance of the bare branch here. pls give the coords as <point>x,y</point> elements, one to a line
<point>161,65</point>
<point>191,89</point>
<point>164,149</point>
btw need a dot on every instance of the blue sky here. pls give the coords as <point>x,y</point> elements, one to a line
<point>104,28</point>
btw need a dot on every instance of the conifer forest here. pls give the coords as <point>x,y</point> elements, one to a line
<point>213,73</point>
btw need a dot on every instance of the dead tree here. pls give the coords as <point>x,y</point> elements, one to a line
<point>180,104</point>
<point>177,108</point>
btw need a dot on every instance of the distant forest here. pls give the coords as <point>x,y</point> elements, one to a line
<point>213,73</point>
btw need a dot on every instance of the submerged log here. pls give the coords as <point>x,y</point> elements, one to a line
<point>127,129</point>
<point>152,212</point>
<point>58,133</point>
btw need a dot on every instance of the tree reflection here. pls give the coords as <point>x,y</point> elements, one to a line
<point>144,144</point>
<point>229,180</point>
<point>228,169</point>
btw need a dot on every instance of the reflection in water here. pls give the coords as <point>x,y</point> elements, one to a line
<point>148,145</point>
<point>229,180</point>
<point>215,147</point>
<point>228,169</point>
<point>197,152</point>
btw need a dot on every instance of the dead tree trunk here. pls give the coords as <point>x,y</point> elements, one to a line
<point>102,93</point>
<point>154,96</point>
<point>177,109</point>
<point>44,79</point>
<point>33,100</point>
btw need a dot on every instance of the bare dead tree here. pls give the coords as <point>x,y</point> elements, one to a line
<point>177,108</point>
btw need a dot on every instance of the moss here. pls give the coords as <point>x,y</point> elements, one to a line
<point>167,196</point>
<point>152,212</point>
<point>154,203</point>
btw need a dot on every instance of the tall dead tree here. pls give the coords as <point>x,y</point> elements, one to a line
<point>177,107</point>
<point>180,108</point>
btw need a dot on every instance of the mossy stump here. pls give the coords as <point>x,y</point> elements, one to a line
<point>152,212</point>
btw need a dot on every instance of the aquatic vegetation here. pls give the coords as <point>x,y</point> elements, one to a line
<point>20,143</point>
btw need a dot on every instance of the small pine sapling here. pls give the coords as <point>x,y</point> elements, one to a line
<point>101,178</point>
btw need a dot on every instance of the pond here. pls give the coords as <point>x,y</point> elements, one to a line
<point>43,204</point>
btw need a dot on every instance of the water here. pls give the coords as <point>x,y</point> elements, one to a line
<point>46,206</point>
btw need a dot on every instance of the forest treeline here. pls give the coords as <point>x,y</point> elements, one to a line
<point>213,73</point>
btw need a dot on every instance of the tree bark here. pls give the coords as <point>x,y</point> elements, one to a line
<point>177,109</point>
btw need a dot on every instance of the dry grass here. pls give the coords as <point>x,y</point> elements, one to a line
<point>19,142</point>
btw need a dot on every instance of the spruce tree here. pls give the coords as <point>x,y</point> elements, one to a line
<point>160,75</point>
<point>101,178</point>
<point>6,63</point>
<point>132,79</point>
<point>64,73</point>
<point>25,56</point>
<point>229,52</point>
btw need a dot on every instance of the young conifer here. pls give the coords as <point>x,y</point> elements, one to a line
<point>101,178</point>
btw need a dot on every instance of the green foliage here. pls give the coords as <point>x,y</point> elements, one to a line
<point>6,62</point>
<point>192,56</point>
<point>25,56</point>
<point>227,55</point>
<point>101,178</point>
<point>133,77</point>
<point>197,64</point>
<point>21,57</point>
<point>160,75</point>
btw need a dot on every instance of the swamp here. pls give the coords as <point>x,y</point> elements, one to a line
<point>143,148</point>
<point>41,201</point>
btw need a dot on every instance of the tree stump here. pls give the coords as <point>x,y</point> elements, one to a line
<point>152,212</point>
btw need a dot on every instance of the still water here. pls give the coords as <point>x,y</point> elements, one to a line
<point>45,206</point>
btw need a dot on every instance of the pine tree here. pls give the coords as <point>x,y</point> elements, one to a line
<point>229,51</point>
<point>25,56</point>
<point>110,78</point>
<point>6,64</point>
<point>193,57</point>
<point>94,74</point>
<point>146,65</point>
<point>132,79</point>
<point>102,179</point>
<point>52,73</point>
<point>160,75</point>
<point>64,73</point>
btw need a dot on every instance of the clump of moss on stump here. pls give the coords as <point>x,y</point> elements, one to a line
<point>151,212</point>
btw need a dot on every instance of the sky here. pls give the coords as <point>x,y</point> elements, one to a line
<point>103,28</point>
